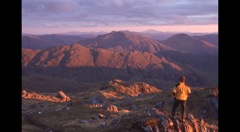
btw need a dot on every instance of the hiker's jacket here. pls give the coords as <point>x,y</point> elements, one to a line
<point>181,91</point>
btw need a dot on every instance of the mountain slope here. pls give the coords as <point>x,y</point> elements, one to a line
<point>81,64</point>
<point>188,44</point>
<point>47,41</point>
<point>212,38</point>
<point>124,41</point>
<point>77,55</point>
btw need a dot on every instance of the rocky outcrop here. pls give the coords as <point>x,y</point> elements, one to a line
<point>63,96</point>
<point>134,89</point>
<point>60,97</point>
<point>112,108</point>
<point>145,113</point>
<point>24,93</point>
<point>158,121</point>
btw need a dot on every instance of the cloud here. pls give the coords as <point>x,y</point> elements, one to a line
<point>85,13</point>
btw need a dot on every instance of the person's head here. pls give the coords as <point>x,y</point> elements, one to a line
<point>182,79</point>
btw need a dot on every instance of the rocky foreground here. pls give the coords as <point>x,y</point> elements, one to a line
<point>118,106</point>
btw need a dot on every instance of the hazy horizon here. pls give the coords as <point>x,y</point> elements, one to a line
<point>80,32</point>
<point>60,16</point>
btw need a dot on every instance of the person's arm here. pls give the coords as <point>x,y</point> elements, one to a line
<point>189,91</point>
<point>174,92</point>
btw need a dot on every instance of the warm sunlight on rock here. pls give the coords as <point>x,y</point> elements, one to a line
<point>60,97</point>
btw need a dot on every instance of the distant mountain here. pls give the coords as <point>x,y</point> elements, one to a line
<point>188,44</point>
<point>47,41</point>
<point>212,38</point>
<point>33,42</point>
<point>118,55</point>
<point>76,55</point>
<point>88,65</point>
<point>84,34</point>
<point>195,66</point>
<point>25,34</point>
<point>161,36</point>
<point>156,35</point>
<point>125,41</point>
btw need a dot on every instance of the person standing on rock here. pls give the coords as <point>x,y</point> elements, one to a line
<point>181,91</point>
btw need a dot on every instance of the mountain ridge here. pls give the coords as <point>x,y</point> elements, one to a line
<point>188,44</point>
<point>125,41</point>
<point>122,55</point>
<point>46,41</point>
<point>89,65</point>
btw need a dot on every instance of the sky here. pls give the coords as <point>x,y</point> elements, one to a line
<point>61,16</point>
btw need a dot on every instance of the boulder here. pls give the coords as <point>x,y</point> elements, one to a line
<point>112,108</point>
<point>24,93</point>
<point>63,96</point>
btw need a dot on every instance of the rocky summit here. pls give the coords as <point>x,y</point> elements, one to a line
<point>119,106</point>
